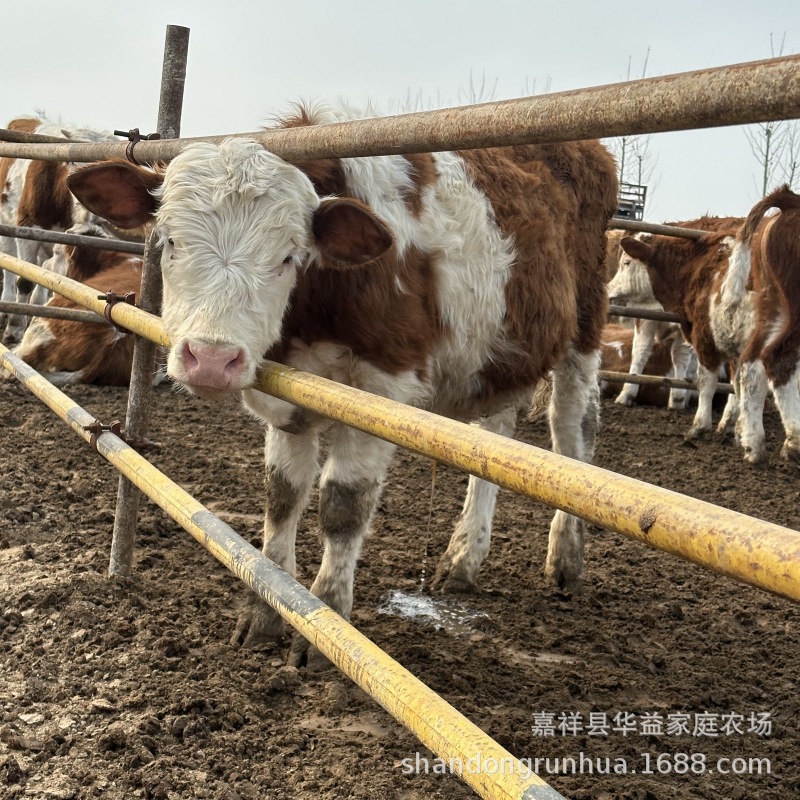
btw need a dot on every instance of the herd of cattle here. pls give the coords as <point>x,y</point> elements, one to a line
<point>457,280</point>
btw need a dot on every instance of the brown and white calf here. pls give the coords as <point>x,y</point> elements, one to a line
<point>739,299</point>
<point>631,286</point>
<point>456,280</point>
<point>35,195</point>
<point>768,248</point>
<point>80,352</point>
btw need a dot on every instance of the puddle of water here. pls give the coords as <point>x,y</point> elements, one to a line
<point>447,615</point>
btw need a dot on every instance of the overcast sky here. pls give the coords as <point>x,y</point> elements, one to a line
<point>98,64</point>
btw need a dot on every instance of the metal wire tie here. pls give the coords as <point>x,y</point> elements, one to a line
<point>97,427</point>
<point>112,298</point>
<point>134,137</point>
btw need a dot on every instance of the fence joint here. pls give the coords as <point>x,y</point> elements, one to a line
<point>97,427</point>
<point>134,137</point>
<point>112,298</point>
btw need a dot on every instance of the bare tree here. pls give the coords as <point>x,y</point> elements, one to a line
<point>776,144</point>
<point>635,160</point>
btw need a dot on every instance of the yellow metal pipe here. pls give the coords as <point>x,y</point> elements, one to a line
<point>748,549</point>
<point>124,314</point>
<point>437,724</point>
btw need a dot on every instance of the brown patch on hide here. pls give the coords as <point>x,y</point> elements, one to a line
<point>282,497</point>
<point>45,201</point>
<point>24,125</point>
<point>384,313</point>
<point>345,509</point>
<point>554,202</point>
<point>97,351</point>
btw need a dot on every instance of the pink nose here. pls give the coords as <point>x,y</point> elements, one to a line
<point>213,365</point>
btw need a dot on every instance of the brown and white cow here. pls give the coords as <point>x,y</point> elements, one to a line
<point>631,286</point>
<point>455,280</point>
<point>770,248</point>
<point>739,299</point>
<point>84,352</point>
<point>35,195</point>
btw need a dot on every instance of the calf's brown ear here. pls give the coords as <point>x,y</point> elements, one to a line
<point>117,191</point>
<point>639,250</point>
<point>348,234</point>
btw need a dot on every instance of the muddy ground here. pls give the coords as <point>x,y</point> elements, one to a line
<point>132,690</point>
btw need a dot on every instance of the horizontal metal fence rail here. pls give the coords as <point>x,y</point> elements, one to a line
<point>643,313</point>
<point>638,225</point>
<point>738,94</point>
<point>28,137</point>
<point>754,551</point>
<point>95,242</point>
<point>657,380</point>
<point>437,724</point>
<point>51,312</point>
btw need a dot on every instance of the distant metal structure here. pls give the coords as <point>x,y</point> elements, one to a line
<point>631,200</point>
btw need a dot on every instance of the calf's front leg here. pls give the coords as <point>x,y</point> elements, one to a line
<point>291,469</point>
<point>350,487</point>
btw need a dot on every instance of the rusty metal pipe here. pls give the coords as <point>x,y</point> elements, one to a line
<point>51,312</point>
<point>637,225</point>
<point>657,380</point>
<point>95,242</point>
<point>643,313</point>
<point>738,94</point>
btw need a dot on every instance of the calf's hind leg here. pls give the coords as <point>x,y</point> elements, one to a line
<point>574,419</point>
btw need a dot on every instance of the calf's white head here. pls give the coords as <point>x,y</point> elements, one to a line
<point>631,284</point>
<point>236,223</point>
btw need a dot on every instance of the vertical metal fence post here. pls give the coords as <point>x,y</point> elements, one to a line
<point>173,76</point>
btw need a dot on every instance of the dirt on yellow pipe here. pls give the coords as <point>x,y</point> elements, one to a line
<point>482,763</point>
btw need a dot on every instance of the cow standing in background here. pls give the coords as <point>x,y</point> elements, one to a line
<point>631,286</point>
<point>35,195</point>
<point>84,352</point>
<point>454,280</point>
<point>740,299</point>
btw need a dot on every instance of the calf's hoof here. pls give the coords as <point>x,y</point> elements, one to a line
<point>755,455</point>
<point>790,453</point>
<point>624,400</point>
<point>565,577</point>
<point>258,623</point>
<point>696,433</point>
<point>725,432</point>
<point>449,579</point>
<point>303,654</point>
